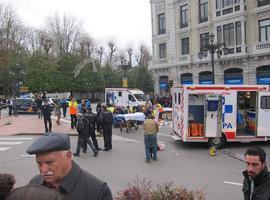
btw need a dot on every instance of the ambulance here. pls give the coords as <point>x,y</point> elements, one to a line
<point>218,114</point>
<point>123,97</point>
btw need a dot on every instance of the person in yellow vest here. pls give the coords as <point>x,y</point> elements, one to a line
<point>159,108</point>
<point>73,110</point>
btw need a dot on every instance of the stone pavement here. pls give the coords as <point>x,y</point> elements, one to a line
<point>31,125</point>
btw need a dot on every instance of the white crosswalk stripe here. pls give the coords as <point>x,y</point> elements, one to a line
<point>8,142</point>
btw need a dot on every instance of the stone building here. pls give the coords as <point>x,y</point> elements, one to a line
<point>182,31</point>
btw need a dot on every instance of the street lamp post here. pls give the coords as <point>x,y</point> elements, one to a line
<point>125,67</point>
<point>213,48</point>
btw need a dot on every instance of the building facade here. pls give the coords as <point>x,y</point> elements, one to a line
<point>182,28</point>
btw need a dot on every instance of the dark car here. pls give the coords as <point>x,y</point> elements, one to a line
<point>26,105</point>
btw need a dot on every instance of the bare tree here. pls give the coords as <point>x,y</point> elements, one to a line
<point>100,53</point>
<point>143,57</point>
<point>65,32</point>
<point>87,46</point>
<point>112,50</point>
<point>10,28</point>
<point>130,52</point>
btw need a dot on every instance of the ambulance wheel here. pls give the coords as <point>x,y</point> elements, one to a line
<point>217,142</point>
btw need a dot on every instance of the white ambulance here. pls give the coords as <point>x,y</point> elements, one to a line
<point>123,97</point>
<point>221,113</point>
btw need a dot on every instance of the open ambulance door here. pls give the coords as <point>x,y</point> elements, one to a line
<point>263,113</point>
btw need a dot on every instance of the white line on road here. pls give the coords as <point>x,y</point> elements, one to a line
<point>164,134</point>
<point>233,183</point>
<point>23,155</point>
<point>10,143</point>
<point>4,138</point>
<point>4,148</point>
<point>119,138</point>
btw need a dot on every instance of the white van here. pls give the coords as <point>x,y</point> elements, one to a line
<point>123,97</point>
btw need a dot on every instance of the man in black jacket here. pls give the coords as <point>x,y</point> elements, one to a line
<point>92,117</point>
<point>256,177</point>
<point>83,129</point>
<point>106,121</point>
<point>60,173</point>
<point>46,110</point>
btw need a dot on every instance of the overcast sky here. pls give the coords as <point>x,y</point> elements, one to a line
<point>127,22</point>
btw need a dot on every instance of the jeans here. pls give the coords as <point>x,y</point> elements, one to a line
<point>73,121</point>
<point>150,142</point>
<point>79,145</point>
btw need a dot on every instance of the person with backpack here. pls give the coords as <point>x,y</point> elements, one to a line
<point>106,121</point>
<point>83,129</point>
<point>92,117</point>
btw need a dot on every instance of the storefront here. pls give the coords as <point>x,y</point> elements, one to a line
<point>233,76</point>
<point>205,78</point>
<point>186,78</point>
<point>163,82</point>
<point>263,75</point>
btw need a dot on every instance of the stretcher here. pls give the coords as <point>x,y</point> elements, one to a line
<point>130,120</point>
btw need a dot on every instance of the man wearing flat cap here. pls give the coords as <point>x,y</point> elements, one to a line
<point>59,172</point>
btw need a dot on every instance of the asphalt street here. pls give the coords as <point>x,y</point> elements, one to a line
<point>187,165</point>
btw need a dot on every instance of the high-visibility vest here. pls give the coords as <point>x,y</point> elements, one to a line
<point>73,108</point>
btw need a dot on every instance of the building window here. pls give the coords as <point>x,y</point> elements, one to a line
<point>203,11</point>
<point>218,4</point>
<point>227,3</point>
<point>238,33</point>
<point>264,30</point>
<point>161,24</point>
<point>185,46</point>
<point>184,16</point>
<point>204,40</point>
<point>263,2</point>
<point>228,34</point>
<point>162,50</point>
<point>219,34</point>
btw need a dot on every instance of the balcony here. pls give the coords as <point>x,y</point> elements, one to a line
<point>261,48</point>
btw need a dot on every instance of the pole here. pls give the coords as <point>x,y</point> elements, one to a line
<point>212,64</point>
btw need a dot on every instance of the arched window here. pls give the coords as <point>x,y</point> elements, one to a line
<point>233,76</point>
<point>186,78</point>
<point>263,74</point>
<point>206,77</point>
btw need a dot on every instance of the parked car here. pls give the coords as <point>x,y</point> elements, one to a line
<point>26,105</point>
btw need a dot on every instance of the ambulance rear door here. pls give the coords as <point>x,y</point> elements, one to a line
<point>263,113</point>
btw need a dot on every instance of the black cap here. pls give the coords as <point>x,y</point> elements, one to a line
<point>51,142</point>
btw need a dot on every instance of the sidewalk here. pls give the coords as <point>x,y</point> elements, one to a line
<point>31,125</point>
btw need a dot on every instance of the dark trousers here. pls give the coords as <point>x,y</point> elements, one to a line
<point>64,111</point>
<point>107,136</point>
<point>10,108</point>
<point>47,119</point>
<point>94,139</point>
<point>73,121</point>
<point>79,145</point>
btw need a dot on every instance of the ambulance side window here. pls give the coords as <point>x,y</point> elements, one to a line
<point>265,102</point>
<point>131,98</point>
<point>119,94</point>
<point>179,98</point>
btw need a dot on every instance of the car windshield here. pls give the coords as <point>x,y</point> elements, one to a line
<point>24,101</point>
<point>140,97</point>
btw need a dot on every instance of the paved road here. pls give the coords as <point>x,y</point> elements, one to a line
<point>188,165</point>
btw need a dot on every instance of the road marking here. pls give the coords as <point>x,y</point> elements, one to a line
<point>119,138</point>
<point>30,156</point>
<point>164,134</point>
<point>4,148</point>
<point>233,183</point>
<point>4,138</point>
<point>10,143</point>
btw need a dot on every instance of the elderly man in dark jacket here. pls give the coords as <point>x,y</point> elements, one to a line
<point>83,129</point>
<point>59,172</point>
<point>256,184</point>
